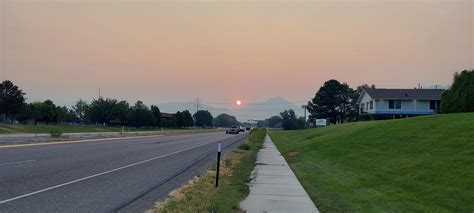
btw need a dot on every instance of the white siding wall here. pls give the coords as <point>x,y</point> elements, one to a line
<point>408,106</point>
<point>366,101</point>
<point>423,105</point>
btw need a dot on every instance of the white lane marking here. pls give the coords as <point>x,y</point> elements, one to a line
<point>99,174</point>
<point>17,162</point>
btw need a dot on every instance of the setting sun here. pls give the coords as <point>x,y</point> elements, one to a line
<point>238,102</point>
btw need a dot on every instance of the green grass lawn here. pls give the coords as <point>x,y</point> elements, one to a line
<point>6,128</point>
<point>422,164</point>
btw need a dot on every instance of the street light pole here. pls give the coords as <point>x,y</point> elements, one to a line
<point>304,108</point>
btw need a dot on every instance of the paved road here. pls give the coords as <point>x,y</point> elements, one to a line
<point>108,176</point>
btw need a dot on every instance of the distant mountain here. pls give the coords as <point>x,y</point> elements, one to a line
<point>265,109</point>
<point>243,113</point>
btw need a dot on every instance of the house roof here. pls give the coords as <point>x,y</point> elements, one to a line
<point>166,115</point>
<point>405,94</point>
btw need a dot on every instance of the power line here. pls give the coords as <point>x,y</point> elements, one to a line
<point>252,110</point>
<point>258,103</point>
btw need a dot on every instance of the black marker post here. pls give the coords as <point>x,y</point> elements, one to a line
<point>218,162</point>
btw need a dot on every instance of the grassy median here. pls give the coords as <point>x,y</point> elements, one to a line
<point>18,128</point>
<point>37,129</point>
<point>202,196</point>
<point>422,164</point>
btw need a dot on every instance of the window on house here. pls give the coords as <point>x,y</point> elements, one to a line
<point>371,104</point>
<point>367,106</point>
<point>398,104</point>
<point>394,104</point>
<point>434,104</point>
<point>362,107</point>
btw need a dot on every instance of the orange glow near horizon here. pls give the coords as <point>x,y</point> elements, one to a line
<point>165,51</point>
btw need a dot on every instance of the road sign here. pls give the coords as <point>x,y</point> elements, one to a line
<point>321,122</point>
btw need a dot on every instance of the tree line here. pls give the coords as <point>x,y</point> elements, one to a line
<point>286,120</point>
<point>334,101</point>
<point>101,111</point>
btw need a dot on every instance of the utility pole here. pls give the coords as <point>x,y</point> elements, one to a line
<point>304,108</point>
<point>197,104</point>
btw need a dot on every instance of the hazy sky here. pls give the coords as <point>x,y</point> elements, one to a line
<point>227,50</point>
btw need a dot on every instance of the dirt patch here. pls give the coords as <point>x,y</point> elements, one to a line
<point>290,156</point>
<point>178,194</point>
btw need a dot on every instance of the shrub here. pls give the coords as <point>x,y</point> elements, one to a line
<point>244,146</point>
<point>56,133</point>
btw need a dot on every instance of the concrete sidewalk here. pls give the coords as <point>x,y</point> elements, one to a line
<point>274,187</point>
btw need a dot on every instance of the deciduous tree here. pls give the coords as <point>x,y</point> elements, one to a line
<point>225,120</point>
<point>203,118</point>
<point>140,115</point>
<point>43,112</point>
<point>333,100</point>
<point>460,96</point>
<point>289,120</point>
<point>188,120</point>
<point>156,112</point>
<point>274,122</point>
<point>120,111</point>
<point>12,100</point>
<point>80,109</point>
<point>61,114</point>
<point>101,110</point>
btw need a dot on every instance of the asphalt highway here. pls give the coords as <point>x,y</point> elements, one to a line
<point>107,176</point>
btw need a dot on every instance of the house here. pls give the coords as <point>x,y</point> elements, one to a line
<point>166,119</point>
<point>399,101</point>
<point>166,116</point>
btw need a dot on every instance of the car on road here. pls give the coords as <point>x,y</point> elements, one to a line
<point>233,130</point>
